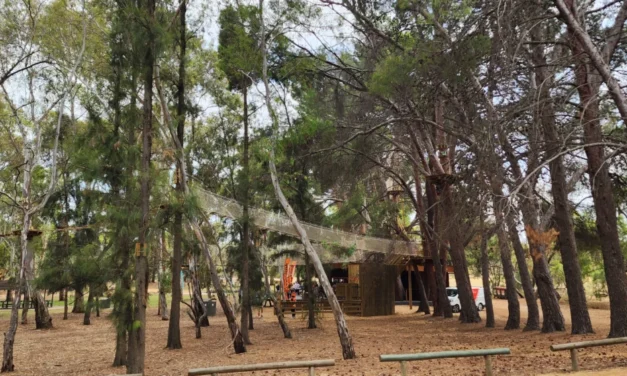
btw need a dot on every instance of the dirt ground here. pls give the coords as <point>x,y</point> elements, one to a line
<point>73,349</point>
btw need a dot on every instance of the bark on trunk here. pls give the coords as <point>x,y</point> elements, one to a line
<point>25,307</point>
<point>79,301</point>
<point>174,331</point>
<point>197,302</point>
<point>533,312</point>
<point>61,295</point>
<point>348,351</point>
<point>121,352</point>
<point>311,299</point>
<point>513,306</point>
<point>9,337</point>
<point>90,303</point>
<point>468,313</point>
<point>485,276</point>
<point>42,316</point>
<point>251,325</point>
<point>442,307</point>
<point>65,305</point>
<point>422,294</point>
<point>270,294</point>
<point>551,313</point>
<point>245,231</point>
<point>163,304</point>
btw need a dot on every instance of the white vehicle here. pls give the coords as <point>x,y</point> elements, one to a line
<point>453,297</point>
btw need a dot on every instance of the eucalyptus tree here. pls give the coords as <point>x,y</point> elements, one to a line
<point>30,121</point>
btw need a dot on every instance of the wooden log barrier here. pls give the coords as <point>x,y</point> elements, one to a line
<point>485,353</point>
<point>310,364</point>
<point>573,346</point>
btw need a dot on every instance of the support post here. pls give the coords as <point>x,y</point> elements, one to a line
<point>488,365</point>
<point>312,371</point>
<point>411,299</point>
<point>573,359</point>
<point>403,368</point>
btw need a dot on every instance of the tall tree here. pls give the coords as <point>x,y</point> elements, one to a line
<point>589,61</point>
<point>137,333</point>
<point>174,331</point>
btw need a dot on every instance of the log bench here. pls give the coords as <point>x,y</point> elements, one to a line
<point>573,346</point>
<point>485,353</point>
<point>309,364</point>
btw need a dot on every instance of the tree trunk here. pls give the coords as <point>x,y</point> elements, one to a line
<point>533,313</point>
<point>422,294</point>
<point>163,304</point>
<point>513,306</point>
<point>61,294</point>
<point>65,305</point>
<point>197,302</point>
<point>90,303</point>
<point>137,332</point>
<point>270,294</point>
<point>236,334</point>
<point>485,276</point>
<point>25,307</point>
<point>588,84</point>
<point>441,305</point>
<point>245,230</point>
<point>174,331</point>
<point>348,351</point>
<point>311,299</point>
<point>468,313</point>
<point>42,316</point>
<point>9,337</point>
<point>79,301</point>
<point>251,325</point>
<point>580,318</point>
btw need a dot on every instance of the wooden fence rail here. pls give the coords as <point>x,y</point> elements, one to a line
<point>404,358</point>
<point>310,364</point>
<point>573,346</point>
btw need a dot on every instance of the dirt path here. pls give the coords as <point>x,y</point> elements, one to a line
<point>74,349</point>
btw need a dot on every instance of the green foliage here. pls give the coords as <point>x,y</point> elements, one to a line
<point>240,58</point>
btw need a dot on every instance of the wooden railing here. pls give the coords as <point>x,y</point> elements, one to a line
<point>573,346</point>
<point>485,353</point>
<point>309,364</point>
<point>351,308</point>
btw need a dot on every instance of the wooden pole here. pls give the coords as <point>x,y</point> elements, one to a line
<point>312,371</point>
<point>403,368</point>
<point>573,359</point>
<point>488,365</point>
<point>411,300</point>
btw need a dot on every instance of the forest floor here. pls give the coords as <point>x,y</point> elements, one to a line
<point>73,349</point>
